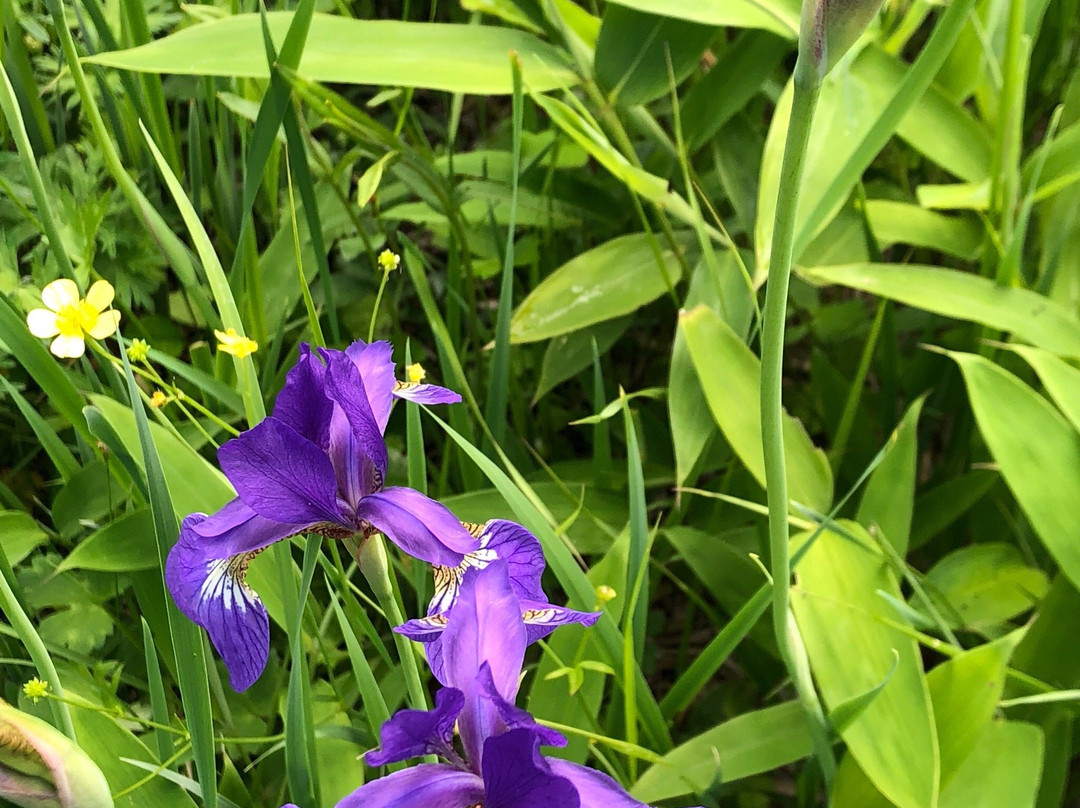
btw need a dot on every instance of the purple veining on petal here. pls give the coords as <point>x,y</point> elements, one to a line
<point>213,594</point>
<point>516,775</point>
<point>512,716</point>
<point>281,475</point>
<point>542,618</point>
<point>346,387</point>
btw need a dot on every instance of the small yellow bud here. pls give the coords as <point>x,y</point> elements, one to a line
<point>605,593</point>
<point>415,373</point>
<point>389,260</point>
<point>36,690</point>
<point>232,343</point>
<point>138,350</point>
<point>158,399</point>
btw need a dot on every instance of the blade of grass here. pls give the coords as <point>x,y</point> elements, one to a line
<point>13,115</point>
<point>60,455</point>
<point>374,704</point>
<point>300,763</point>
<point>187,641</point>
<point>159,707</point>
<point>498,394</point>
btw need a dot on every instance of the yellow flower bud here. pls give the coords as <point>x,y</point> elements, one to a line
<point>138,350</point>
<point>389,260</point>
<point>158,399</point>
<point>35,690</point>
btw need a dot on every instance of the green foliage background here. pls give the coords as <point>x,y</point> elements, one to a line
<point>583,196</point>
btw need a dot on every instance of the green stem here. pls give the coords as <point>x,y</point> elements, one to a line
<point>804,99</point>
<point>38,653</point>
<point>378,300</point>
<point>380,577</point>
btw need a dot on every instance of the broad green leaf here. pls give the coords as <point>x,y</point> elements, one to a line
<point>942,505</point>
<point>1049,649</point>
<point>1040,463</point>
<point>20,535</point>
<point>903,223</point>
<point>964,296</point>
<point>435,56</point>
<point>1061,380</point>
<point>122,545</point>
<point>965,691</point>
<point>1002,772</point>
<point>570,353</point>
<point>889,497</point>
<point>606,282</point>
<point>984,585</point>
<point>82,627</point>
<point>746,745</point>
<point>729,374</point>
<point>781,16</point>
<point>637,53</point>
<point>853,789</point>
<point>840,614</point>
<point>195,485</point>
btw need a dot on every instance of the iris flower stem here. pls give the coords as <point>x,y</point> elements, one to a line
<point>804,99</point>
<point>375,308</point>
<point>38,652</point>
<point>371,557</point>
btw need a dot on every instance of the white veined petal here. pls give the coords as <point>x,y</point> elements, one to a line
<point>60,293</point>
<point>100,295</point>
<point>67,347</point>
<point>105,325</point>
<point>42,323</point>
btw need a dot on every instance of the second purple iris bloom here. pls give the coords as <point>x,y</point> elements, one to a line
<point>316,465</point>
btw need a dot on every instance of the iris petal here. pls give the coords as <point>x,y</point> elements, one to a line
<point>213,594</point>
<point>595,789</point>
<point>431,785</point>
<point>377,370</point>
<point>412,733</point>
<point>420,526</point>
<point>281,475</point>
<point>302,404</point>
<point>516,775</point>
<point>420,393</point>
<point>345,386</point>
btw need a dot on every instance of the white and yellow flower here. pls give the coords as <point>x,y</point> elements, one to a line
<point>70,319</point>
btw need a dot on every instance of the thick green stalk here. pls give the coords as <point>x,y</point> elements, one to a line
<point>804,99</point>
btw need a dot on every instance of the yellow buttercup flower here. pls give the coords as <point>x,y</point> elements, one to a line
<point>415,373</point>
<point>158,399</point>
<point>389,260</point>
<point>35,690</point>
<point>138,350</point>
<point>70,319</point>
<point>232,343</point>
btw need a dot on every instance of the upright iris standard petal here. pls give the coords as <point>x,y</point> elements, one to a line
<point>212,593</point>
<point>412,733</point>
<point>346,387</point>
<point>516,775</point>
<point>376,368</point>
<point>483,627</point>
<point>429,785</point>
<point>281,475</point>
<point>302,402</point>
<point>420,526</point>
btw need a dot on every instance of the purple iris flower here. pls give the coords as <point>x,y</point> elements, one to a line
<point>316,465</point>
<point>524,558</point>
<point>501,765</point>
